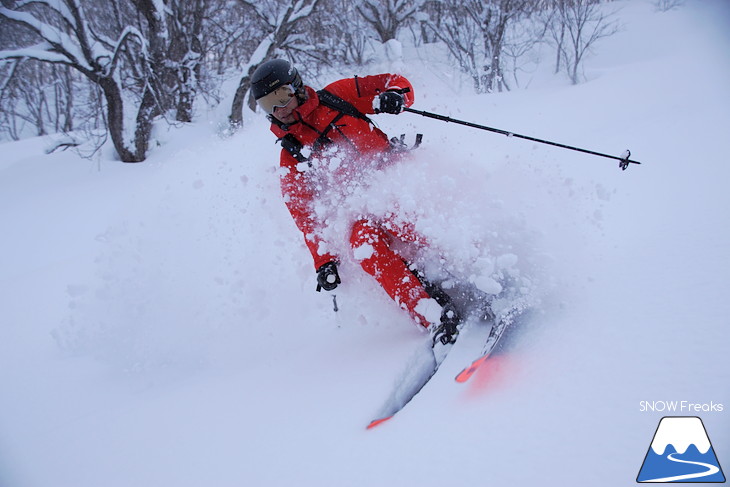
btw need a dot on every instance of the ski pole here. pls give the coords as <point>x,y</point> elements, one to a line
<point>624,158</point>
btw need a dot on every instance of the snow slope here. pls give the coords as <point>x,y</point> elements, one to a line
<point>160,325</point>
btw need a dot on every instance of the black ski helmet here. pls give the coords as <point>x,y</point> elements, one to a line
<point>272,74</point>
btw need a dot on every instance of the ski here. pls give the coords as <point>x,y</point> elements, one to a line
<point>419,370</point>
<point>495,334</point>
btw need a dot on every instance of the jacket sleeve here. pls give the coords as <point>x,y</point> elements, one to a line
<point>298,197</point>
<point>361,91</point>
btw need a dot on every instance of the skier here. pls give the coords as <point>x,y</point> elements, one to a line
<point>310,125</point>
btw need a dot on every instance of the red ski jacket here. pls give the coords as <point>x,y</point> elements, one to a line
<point>350,131</point>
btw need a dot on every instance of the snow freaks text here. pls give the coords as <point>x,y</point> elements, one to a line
<point>680,407</point>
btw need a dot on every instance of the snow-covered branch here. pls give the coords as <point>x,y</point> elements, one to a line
<point>302,9</point>
<point>41,52</point>
<point>60,8</point>
<point>59,45</point>
<point>128,32</point>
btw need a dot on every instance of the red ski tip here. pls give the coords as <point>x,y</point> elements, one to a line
<point>466,374</point>
<point>377,422</point>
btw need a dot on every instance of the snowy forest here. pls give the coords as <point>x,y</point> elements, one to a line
<point>109,70</point>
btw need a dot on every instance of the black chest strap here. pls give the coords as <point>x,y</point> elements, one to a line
<point>334,102</point>
<point>343,106</point>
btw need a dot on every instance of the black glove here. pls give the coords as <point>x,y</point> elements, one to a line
<point>390,102</point>
<point>327,277</point>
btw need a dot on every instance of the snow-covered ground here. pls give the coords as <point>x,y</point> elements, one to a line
<point>160,325</point>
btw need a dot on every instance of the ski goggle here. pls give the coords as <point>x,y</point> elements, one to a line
<point>278,98</point>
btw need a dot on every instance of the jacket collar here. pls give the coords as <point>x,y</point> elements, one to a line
<point>306,108</point>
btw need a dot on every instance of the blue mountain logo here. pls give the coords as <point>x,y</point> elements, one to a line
<point>681,452</point>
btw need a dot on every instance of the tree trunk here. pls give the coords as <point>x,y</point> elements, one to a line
<point>148,109</point>
<point>115,114</point>
<point>185,24</point>
<point>115,117</point>
<point>560,47</point>
<point>184,109</point>
<point>68,118</point>
<point>236,117</point>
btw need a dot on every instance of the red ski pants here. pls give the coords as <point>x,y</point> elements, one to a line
<point>371,243</point>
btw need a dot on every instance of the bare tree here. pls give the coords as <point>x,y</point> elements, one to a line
<point>230,35</point>
<point>64,36</point>
<point>386,17</point>
<point>581,24</point>
<point>519,43</point>
<point>35,98</point>
<point>495,22</point>
<point>431,17</point>
<point>460,35</point>
<point>29,100</point>
<point>147,48</point>
<point>555,30</point>
<point>281,21</point>
<point>474,31</point>
<point>667,5</point>
<point>338,41</point>
<point>184,52</point>
<point>173,31</point>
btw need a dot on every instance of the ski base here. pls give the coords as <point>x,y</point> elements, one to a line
<point>420,369</point>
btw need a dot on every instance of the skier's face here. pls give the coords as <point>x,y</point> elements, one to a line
<point>285,114</point>
<point>280,103</point>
